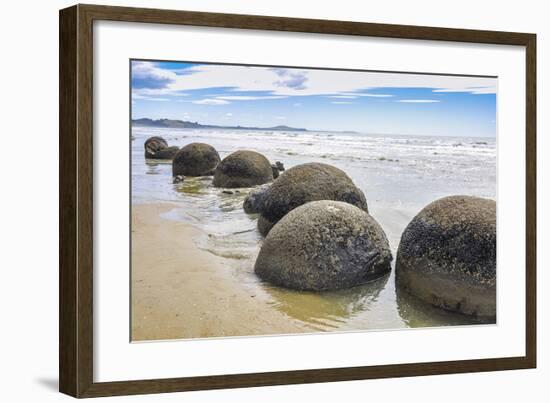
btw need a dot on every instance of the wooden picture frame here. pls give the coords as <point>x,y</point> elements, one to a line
<point>76,200</point>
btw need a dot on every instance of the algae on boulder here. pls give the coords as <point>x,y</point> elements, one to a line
<point>447,255</point>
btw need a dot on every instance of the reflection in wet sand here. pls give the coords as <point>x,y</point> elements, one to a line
<point>329,309</point>
<point>192,186</point>
<point>417,313</point>
<point>155,167</point>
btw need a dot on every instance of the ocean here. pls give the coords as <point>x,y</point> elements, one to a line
<point>399,175</point>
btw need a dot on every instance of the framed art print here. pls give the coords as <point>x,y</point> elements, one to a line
<point>251,200</point>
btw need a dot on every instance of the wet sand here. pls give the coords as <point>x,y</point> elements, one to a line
<point>180,291</point>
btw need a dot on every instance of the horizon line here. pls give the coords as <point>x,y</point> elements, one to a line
<point>230,126</point>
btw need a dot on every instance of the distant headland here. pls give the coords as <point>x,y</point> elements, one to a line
<point>184,124</point>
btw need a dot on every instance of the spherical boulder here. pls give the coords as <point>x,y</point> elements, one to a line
<point>153,145</point>
<point>324,245</point>
<point>255,198</point>
<point>195,159</point>
<point>447,255</point>
<point>241,169</point>
<point>308,182</point>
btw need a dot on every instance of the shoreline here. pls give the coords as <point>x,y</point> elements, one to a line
<point>179,291</point>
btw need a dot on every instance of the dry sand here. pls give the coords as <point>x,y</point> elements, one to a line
<point>180,291</point>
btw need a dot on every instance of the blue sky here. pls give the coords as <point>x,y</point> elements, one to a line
<point>367,102</point>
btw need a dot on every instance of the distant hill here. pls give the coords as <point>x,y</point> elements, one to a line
<point>184,124</point>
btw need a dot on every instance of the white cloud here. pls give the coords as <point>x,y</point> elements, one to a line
<point>147,75</point>
<point>341,102</point>
<point>246,97</point>
<point>297,104</point>
<point>343,96</point>
<point>154,99</point>
<point>312,82</point>
<point>280,117</point>
<point>375,95</point>
<point>146,98</point>
<point>229,114</point>
<point>210,101</point>
<point>418,101</point>
<point>473,90</point>
<point>360,94</point>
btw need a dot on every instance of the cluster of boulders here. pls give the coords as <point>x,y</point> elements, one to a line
<point>157,148</point>
<point>320,236</point>
<point>243,168</point>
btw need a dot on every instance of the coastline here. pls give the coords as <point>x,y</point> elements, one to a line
<point>179,291</point>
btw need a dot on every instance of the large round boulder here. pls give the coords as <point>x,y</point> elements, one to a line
<point>241,169</point>
<point>254,200</point>
<point>305,183</point>
<point>195,159</point>
<point>324,245</point>
<point>153,145</point>
<point>447,255</point>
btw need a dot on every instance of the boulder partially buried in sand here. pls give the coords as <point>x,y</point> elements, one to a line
<point>243,168</point>
<point>324,245</point>
<point>195,159</point>
<point>304,183</point>
<point>447,255</point>
<point>254,200</point>
<point>153,145</point>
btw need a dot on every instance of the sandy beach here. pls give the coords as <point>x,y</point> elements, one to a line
<point>180,291</point>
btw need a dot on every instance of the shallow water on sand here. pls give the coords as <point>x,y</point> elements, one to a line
<point>399,175</point>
